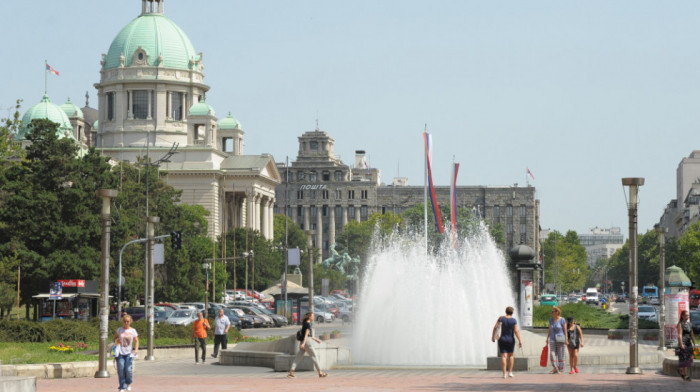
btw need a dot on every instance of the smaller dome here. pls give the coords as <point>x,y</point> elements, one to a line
<point>202,108</point>
<point>522,253</point>
<point>95,126</point>
<point>72,110</point>
<point>230,123</point>
<point>49,111</point>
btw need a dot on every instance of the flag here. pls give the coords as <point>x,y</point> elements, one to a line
<point>529,172</point>
<point>52,70</point>
<point>431,189</point>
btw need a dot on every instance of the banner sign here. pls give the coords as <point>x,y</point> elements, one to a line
<point>72,282</point>
<point>56,291</point>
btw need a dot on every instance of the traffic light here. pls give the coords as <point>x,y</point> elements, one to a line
<point>114,292</point>
<point>125,293</point>
<point>176,240</point>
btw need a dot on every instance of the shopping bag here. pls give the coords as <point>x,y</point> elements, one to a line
<point>543,357</point>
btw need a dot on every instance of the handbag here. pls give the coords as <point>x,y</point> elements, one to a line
<point>559,339</point>
<point>497,333</point>
<point>543,356</point>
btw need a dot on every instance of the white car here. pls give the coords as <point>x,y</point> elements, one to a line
<point>647,312</point>
<point>182,317</point>
<point>654,300</point>
<point>322,316</point>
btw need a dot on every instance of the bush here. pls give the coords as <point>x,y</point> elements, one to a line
<point>588,317</point>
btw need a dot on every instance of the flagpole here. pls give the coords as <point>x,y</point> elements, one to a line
<point>425,191</point>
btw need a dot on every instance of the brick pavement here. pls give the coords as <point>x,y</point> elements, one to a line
<point>184,376</point>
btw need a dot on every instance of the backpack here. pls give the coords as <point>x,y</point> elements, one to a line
<point>300,335</point>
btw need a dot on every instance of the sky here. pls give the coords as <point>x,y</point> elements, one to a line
<point>581,93</point>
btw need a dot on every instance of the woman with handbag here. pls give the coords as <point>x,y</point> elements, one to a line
<point>557,339</point>
<point>686,339</point>
<point>506,342</point>
<point>305,347</point>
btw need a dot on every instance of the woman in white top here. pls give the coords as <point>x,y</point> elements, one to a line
<point>126,338</point>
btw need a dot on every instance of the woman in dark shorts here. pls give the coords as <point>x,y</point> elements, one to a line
<point>506,343</point>
<point>575,342</point>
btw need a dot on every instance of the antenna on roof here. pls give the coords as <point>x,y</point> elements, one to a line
<point>317,121</point>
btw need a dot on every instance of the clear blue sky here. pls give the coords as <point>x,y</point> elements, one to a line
<point>584,93</point>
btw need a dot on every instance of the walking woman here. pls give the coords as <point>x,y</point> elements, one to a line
<point>557,340</point>
<point>575,336</point>
<point>124,339</point>
<point>305,346</point>
<point>686,338</point>
<point>506,343</point>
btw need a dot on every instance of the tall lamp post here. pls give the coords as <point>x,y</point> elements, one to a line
<point>206,267</point>
<point>106,195</point>
<point>633,183</point>
<point>662,284</point>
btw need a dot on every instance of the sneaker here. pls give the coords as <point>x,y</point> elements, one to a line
<point>510,374</point>
<point>128,387</point>
<point>504,375</point>
<point>572,371</point>
<point>213,355</point>
<point>196,363</point>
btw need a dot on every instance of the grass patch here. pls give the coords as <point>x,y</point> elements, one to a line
<point>588,317</point>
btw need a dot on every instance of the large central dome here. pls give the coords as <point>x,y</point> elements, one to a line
<point>156,35</point>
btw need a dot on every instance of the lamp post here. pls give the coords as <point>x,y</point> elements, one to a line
<point>106,195</point>
<point>286,239</point>
<point>633,183</point>
<point>662,284</point>
<point>311,271</point>
<point>206,267</point>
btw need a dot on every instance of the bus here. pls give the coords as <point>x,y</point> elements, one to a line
<point>650,291</point>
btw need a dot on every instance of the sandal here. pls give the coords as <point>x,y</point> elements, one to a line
<point>323,375</point>
<point>291,375</point>
<point>554,371</point>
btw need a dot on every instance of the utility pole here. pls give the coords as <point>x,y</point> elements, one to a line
<point>106,195</point>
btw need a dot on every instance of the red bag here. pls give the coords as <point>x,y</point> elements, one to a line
<point>543,357</point>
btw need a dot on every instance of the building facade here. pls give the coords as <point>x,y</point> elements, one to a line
<point>601,243</point>
<point>682,211</point>
<point>322,194</point>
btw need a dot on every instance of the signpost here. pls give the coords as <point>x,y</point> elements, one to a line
<point>55,294</point>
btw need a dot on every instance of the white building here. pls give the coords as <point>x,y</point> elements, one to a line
<point>601,243</point>
<point>682,211</point>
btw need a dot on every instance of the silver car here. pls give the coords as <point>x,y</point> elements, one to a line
<point>182,317</point>
<point>647,312</point>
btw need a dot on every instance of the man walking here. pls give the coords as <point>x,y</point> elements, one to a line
<point>199,337</point>
<point>221,327</point>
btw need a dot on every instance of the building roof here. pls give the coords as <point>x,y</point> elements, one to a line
<point>157,35</point>
<point>71,109</point>
<point>229,123</point>
<point>49,111</point>
<point>202,108</point>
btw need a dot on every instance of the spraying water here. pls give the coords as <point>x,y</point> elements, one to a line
<point>436,309</point>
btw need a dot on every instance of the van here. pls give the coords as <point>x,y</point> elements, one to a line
<point>592,296</point>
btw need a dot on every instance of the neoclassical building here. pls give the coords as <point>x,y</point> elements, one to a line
<point>152,102</point>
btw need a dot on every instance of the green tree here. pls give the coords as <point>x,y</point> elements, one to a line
<point>9,127</point>
<point>565,261</point>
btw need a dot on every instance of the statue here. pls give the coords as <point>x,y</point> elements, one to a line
<point>343,263</point>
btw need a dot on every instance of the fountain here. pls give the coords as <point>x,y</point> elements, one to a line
<point>435,310</point>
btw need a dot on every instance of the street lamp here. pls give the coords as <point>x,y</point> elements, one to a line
<point>633,183</point>
<point>106,195</point>
<point>206,267</point>
<point>662,284</point>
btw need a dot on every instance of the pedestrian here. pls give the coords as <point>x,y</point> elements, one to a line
<point>686,340</point>
<point>306,347</point>
<point>221,327</point>
<point>575,337</point>
<point>506,342</point>
<point>199,337</point>
<point>127,341</point>
<point>557,340</point>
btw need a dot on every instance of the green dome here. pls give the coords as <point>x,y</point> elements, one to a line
<point>71,109</point>
<point>96,125</point>
<point>50,111</point>
<point>202,108</point>
<point>157,35</point>
<point>229,123</point>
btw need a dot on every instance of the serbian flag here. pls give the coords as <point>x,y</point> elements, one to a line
<point>51,69</point>
<point>529,172</point>
<point>428,138</point>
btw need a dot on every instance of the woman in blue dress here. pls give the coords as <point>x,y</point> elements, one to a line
<point>506,342</point>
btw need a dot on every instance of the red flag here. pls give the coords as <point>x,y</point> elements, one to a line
<point>52,70</point>
<point>530,173</point>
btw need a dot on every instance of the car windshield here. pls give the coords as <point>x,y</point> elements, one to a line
<point>646,309</point>
<point>548,298</point>
<point>181,313</point>
<point>160,314</point>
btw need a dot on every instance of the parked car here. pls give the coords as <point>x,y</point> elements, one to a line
<point>278,319</point>
<point>572,299</point>
<point>168,305</point>
<point>549,299</point>
<point>322,316</point>
<point>232,316</point>
<point>647,312</point>
<point>246,321</point>
<point>136,312</point>
<point>345,315</point>
<point>620,298</point>
<point>695,320</point>
<point>266,321</point>
<point>161,315</point>
<point>183,317</point>
<point>197,305</point>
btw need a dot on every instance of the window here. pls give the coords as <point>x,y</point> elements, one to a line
<point>523,211</point>
<point>312,194</point>
<point>177,100</point>
<point>522,228</point>
<point>509,211</point>
<point>300,195</point>
<point>338,211</point>
<point>338,175</point>
<point>227,144</point>
<point>300,210</point>
<point>338,194</point>
<point>351,195</point>
<point>496,211</point>
<point>363,194</point>
<point>363,212</point>
<point>351,212</point>
<point>289,211</point>
<point>326,175</point>
<point>325,210</point>
<point>325,245</point>
<point>312,211</point>
<point>199,132</point>
<point>140,104</point>
<point>312,176</point>
<point>300,175</point>
<point>324,194</point>
<point>110,106</point>
<point>510,228</point>
<point>313,145</point>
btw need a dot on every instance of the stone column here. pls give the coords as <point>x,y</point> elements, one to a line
<point>357,213</point>
<point>345,216</point>
<point>250,197</point>
<point>307,226</point>
<point>271,218</point>
<point>265,217</point>
<point>257,213</point>
<point>331,225</point>
<point>319,228</point>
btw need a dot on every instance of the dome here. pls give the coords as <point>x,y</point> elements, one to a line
<point>156,35</point>
<point>96,125</point>
<point>229,123</point>
<point>202,108</point>
<point>49,111</point>
<point>521,253</point>
<point>71,109</point>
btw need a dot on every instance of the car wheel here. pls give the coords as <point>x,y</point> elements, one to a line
<point>319,319</point>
